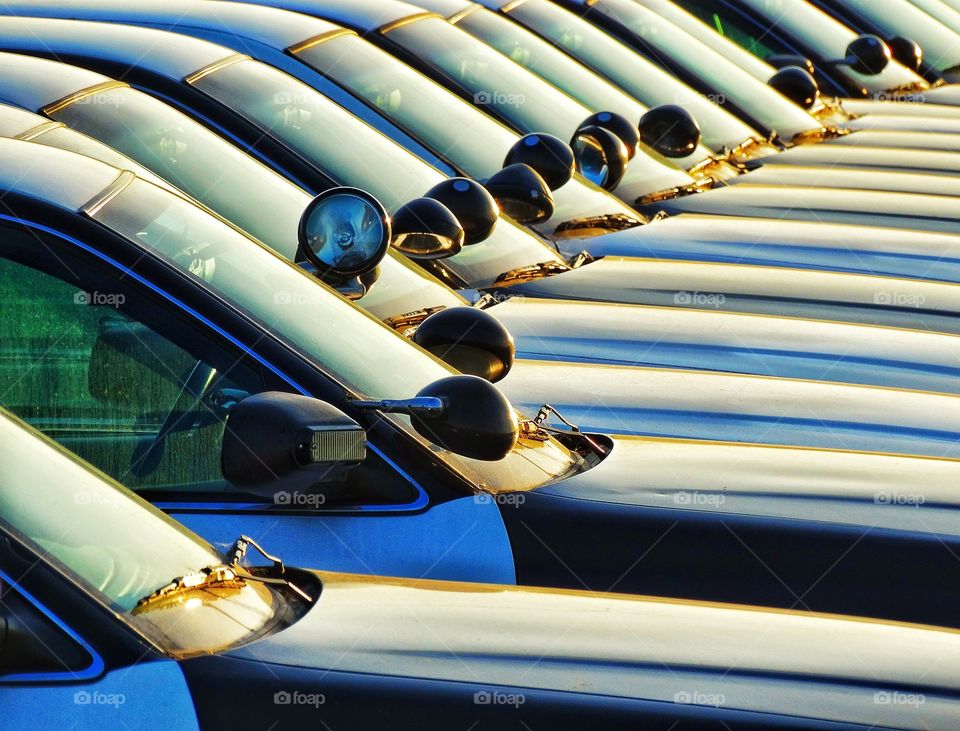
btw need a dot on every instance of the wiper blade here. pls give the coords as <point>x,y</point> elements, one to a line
<point>532,271</point>
<point>221,576</point>
<point>606,222</point>
<point>211,577</point>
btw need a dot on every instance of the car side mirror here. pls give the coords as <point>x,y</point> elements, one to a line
<point>550,156</point>
<point>521,193</point>
<point>463,414</point>
<point>471,204</point>
<point>344,233</point>
<point>601,156</point>
<point>670,130</point>
<point>424,228</point>
<point>619,125</point>
<point>276,441</point>
<point>797,85</point>
<point>866,54</point>
<point>906,51</point>
<point>472,341</point>
<point>782,60</point>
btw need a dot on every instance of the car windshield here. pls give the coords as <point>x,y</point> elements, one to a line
<point>757,99</point>
<point>543,59</point>
<point>829,39</point>
<point>527,101</point>
<point>351,152</point>
<point>225,179</point>
<point>362,354</point>
<point>473,142</point>
<point>932,24</point>
<point>117,547</point>
<point>629,70</point>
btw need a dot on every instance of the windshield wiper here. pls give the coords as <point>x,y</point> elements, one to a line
<point>532,271</point>
<point>221,576</point>
<point>606,222</point>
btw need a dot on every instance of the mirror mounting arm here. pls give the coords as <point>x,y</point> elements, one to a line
<point>429,407</point>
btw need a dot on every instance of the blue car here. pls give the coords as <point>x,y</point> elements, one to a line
<point>235,392</point>
<point>114,616</point>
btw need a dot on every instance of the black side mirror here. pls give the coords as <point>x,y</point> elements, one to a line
<point>550,156</point>
<point>797,85</point>
<point>906,51</point>
<point>424,228</point>
<point>867,55</point>
<point>471,340</point>
<point>344,233</point>
<point>782,60</point>
<point>521,193</point>
<point>471,203</point>
<point>620,126</point>
<point>601,156</point>
<point>670,130</point>
<point>464,414</point>
<point>277,441</point>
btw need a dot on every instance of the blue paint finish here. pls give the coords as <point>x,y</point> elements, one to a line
<point>147,696</point>
<point>460,540</point>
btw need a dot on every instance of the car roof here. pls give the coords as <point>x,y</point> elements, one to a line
<point>364,15</point>
<point>32,83</point>
<point>14,121</point>
<point>273,26</point>
<point>169,54</point>
<point>52,175</point>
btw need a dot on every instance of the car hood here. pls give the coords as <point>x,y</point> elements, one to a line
<point>830,205</point>
<point>807,244</point>
<point>838,487</point>
<point>877,120</point>
<point>865,157</point>
<point>739,408</point>
<point>901,140</point>
<point>853,178</point>
<point>487,636</point>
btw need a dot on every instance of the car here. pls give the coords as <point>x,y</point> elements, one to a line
<point>149,338</point>
<point>116,616</point>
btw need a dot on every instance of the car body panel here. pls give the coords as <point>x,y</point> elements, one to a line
<point>739,408</point>
<point>852,179</point>
<point>870,158</point>
<point>574,652</point>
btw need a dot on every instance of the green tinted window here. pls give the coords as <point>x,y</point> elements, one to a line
<point>105,386</point>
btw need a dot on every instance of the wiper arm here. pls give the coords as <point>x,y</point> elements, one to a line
<point>221,576</point>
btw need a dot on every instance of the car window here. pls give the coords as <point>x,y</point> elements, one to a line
<point>75,367</point>
<point>195,160</point>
